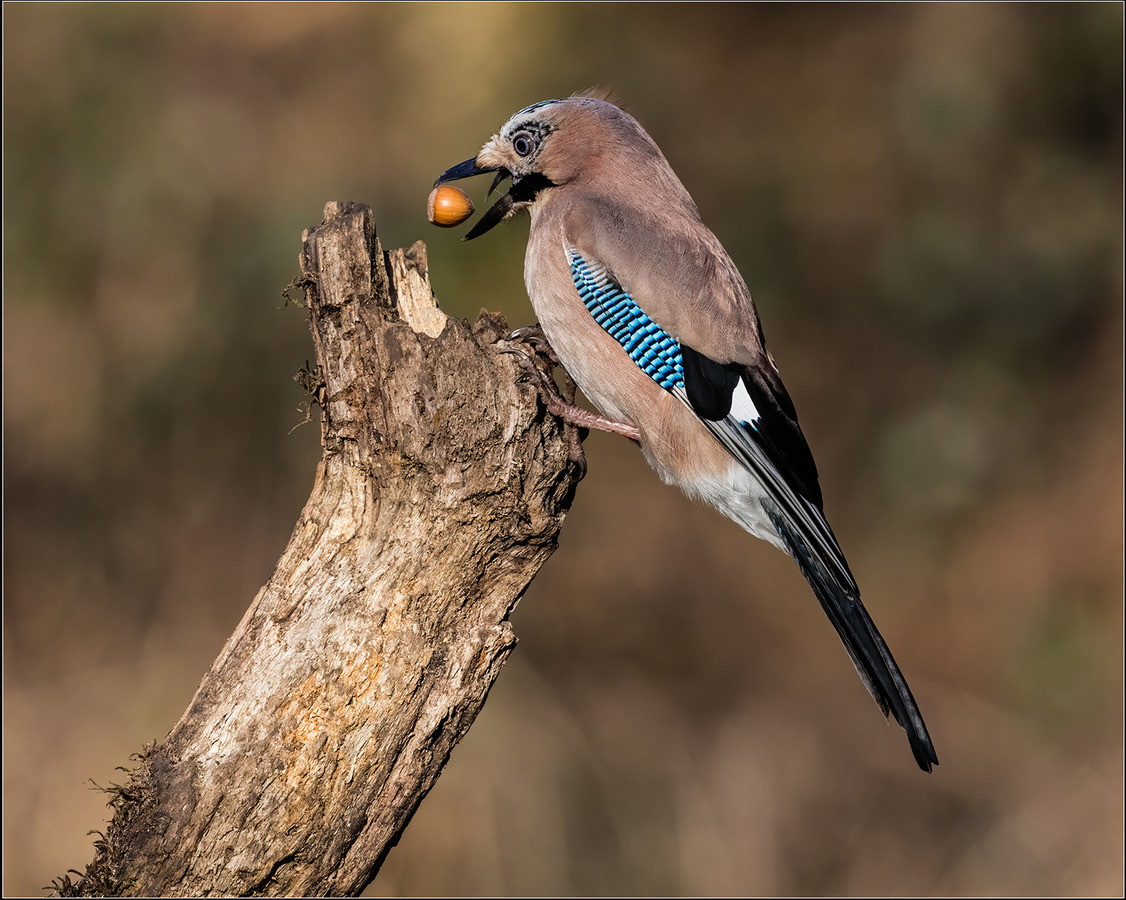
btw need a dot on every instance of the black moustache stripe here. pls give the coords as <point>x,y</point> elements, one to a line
<point>526,189</point>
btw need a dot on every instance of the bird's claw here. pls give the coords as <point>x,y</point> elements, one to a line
<point>548,390</point>
<point>541,362</point>
<point>533,336</point>
<point>563,407</point>
<point>530,369</point>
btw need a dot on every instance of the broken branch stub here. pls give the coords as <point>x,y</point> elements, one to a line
<point>367,655</point>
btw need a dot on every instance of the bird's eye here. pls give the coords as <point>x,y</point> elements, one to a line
<point>523,144</point>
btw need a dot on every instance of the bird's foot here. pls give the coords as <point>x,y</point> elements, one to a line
<point>537,367</point>
<point>548,391</point>
<point>533,336</point>
<point>564,409</point>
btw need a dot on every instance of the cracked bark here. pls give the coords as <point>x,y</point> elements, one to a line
<point>334,705</point>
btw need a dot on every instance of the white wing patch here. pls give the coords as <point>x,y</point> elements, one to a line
<point>742,406</point>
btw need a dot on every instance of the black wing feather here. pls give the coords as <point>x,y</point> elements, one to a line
<point>778,427</point>
<point>774,449</point>
<point>709,384</point>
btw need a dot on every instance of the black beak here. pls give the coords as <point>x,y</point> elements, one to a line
<point>496,213</point>
<point>466,169</point>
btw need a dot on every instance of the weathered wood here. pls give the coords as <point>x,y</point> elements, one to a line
<point>335,704</point>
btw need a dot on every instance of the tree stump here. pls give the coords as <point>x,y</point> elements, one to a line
<point>335,704</point>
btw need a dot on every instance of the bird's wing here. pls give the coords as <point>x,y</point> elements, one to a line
<point>743,403</point>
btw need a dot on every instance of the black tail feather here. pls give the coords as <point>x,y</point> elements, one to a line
<point>858,633</point>
<point>772,449</point>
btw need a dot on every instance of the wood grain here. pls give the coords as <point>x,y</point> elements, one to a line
<point>367,655</point>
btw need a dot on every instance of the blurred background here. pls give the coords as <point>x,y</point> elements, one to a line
<point>926,201</point>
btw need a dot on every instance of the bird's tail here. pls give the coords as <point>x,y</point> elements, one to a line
<point>840,599</point>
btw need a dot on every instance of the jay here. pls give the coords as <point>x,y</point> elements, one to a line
<point>650,317</point>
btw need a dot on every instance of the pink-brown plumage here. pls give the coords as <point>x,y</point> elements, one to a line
<point>624,277</point>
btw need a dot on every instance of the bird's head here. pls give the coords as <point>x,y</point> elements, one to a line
<point>546,145</point>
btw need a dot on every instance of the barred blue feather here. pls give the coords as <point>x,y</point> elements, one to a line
<point>656,353</point>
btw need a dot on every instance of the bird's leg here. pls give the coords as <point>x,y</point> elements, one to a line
<point>556,403</point>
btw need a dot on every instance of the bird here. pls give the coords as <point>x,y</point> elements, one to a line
<point>653,321</point>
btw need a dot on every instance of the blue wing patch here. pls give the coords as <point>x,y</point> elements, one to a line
<point>656,353</point>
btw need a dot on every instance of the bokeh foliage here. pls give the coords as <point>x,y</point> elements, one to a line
<point>926,201</point>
